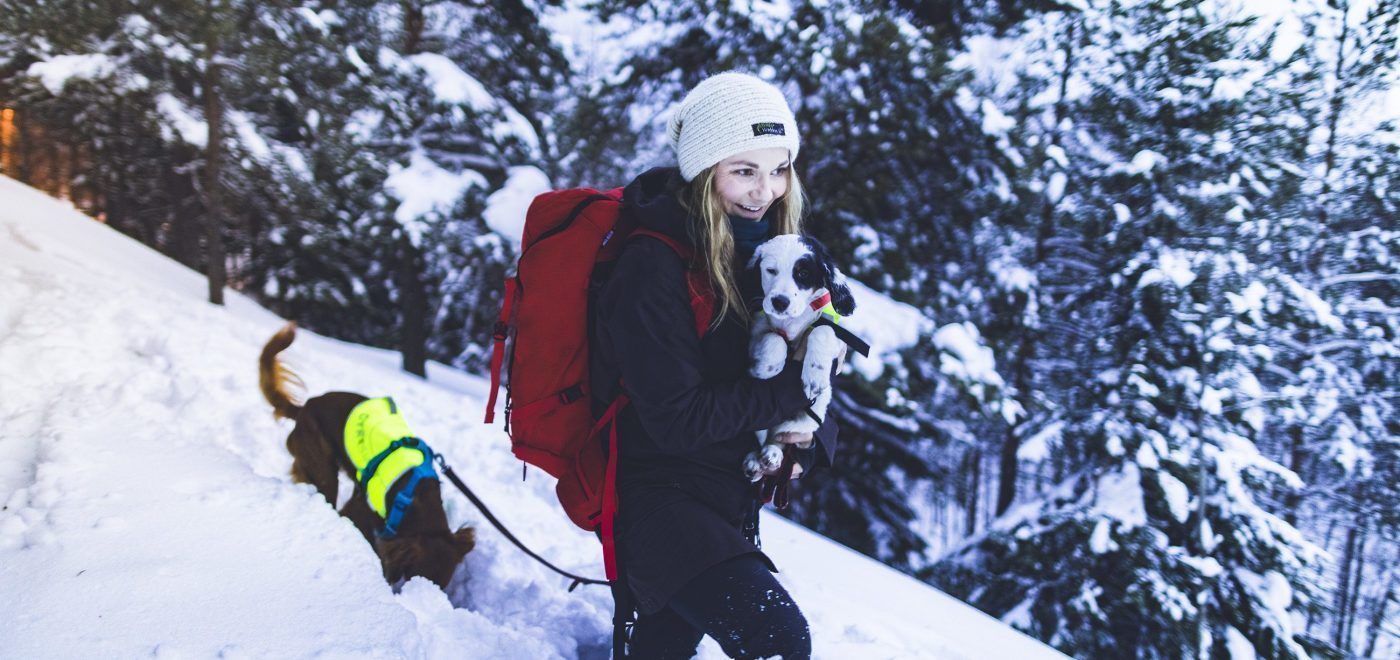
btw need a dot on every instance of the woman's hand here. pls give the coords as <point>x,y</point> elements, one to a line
<point>800,440</point>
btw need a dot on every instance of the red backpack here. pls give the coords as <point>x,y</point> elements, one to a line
<point>570,242</point>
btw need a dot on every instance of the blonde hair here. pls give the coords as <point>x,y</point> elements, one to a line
<point>709,232</point>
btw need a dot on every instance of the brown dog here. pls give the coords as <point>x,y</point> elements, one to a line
<point>424,544</point>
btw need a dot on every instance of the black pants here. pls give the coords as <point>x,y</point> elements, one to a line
<point>738,603</point>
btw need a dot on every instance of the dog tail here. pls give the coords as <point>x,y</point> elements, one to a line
<point>274,377</point>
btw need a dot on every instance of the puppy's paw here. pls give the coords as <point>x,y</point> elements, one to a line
<point>822,347</point>
<point>764,371</point>
<point>771,458</point>
<point>801,424</point>
<point>753,466</point>
<point>816,378</point>
<point>769,355</point>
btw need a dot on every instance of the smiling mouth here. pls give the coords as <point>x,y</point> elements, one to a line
<point>750,209</point>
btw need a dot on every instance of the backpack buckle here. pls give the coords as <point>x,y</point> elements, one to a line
<point>500,331</point>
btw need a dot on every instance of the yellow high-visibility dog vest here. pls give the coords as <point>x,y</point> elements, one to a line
<point>372,427</point>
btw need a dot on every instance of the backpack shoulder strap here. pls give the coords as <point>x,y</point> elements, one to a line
<point>680,248</point>
<point>702,297</point>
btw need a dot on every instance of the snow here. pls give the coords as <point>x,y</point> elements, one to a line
<point>1240,647</point>
<point>867,245</point>
<point>1177,495</point>
<point>322,20</point>
<point>423,188</point>
<point>55,72</point>
<point>148,509</point>
<point>1207,566</point>
<point>450,84</point>
<point>248,135</point>
<point>965,356</point>
<point>505,208</point>
<point>597,50</point>
<point>1099,540</point>
<point>1039,446</point>
<point>1147,458</point>
<point>1212,400</point>
<point>1119,496</point>
<point>995,62</point>
<point>1012,276</point>
<point>1055,189</point>
<point>185,124</point>
<point>1173,265</point>
<point>1273,593</point>
<point>1145,161</point>
<point>1315,304</point>
<point>1347,454</point>
<point>887,325</point>
<point>994,122</point>
<point>1250,301</point>
<point>353,55</point>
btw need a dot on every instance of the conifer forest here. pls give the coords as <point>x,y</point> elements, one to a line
<point>1151,410</point>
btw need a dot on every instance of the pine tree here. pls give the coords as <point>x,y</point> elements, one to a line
<point>1330,181</point>
<point>1158,543</point>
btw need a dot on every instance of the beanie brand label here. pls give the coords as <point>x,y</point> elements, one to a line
<point>768,128</point>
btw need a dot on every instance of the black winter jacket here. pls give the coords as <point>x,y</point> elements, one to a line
<point>683,496</point>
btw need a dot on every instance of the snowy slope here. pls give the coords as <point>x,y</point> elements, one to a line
<point>147,509</point>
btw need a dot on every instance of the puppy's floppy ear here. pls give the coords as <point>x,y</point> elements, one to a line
<point>834,280</point>
<point>757,257</point>
<point>841,297</point>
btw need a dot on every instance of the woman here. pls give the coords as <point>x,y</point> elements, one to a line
<point>683,497</point>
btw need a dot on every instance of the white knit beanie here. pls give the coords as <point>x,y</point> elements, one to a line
<point>727,114</point>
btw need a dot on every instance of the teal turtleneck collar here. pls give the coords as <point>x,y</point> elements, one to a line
<point>749,234</point>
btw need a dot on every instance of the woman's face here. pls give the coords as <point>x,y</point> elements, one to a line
<point>748,183</point>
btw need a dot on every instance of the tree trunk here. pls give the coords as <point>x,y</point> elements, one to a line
<point>56,185</point>
<point>1294,499</point>
<point>1378,612</point>
<point>413,27</point>
<point>1010,466</point>
<point>113,194</point>
<point>181,228</point>
<point>213,188</point>
<point>972,463</point>
<point>1353,605</point>
<point>24,168</point>
<point>7,141</point>
<point>413,306</point>
<point>1334,113</point>
<point>1344,588</point>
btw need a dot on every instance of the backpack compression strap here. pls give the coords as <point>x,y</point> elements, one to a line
<point>498,351</point>
<point>607,518</point>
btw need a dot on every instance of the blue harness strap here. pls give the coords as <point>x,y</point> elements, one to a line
<point>405,497</point>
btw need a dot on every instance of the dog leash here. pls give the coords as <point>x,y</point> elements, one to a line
<point>447,470</point>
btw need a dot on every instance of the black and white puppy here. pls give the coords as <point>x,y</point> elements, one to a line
<point>800,284</point>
